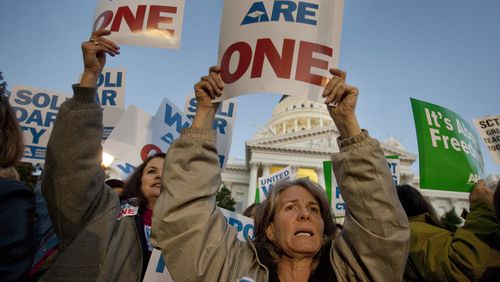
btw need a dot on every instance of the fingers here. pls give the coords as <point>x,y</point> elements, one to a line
<point>339,73</point>
<point>99,44</point>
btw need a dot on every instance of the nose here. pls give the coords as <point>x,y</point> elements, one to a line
<point>304,214</point>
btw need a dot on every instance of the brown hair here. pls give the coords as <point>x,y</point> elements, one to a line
<point>132,187</point>
<point>267,210</point>
<point>11,137</point>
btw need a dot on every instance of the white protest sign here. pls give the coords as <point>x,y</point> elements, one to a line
<point>244,225</point>
<point>157,270</point>
<point>266,182</point>
<point>223,124</point>
<point>393,162</point>
<point>489,130</point>
<point>36,111</point>
<point>129,136</point>
<point>150,23</point>
<point>283,47</point>
<point>110,118</point>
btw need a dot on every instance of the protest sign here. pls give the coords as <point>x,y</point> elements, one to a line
<point>36,111</point>
<point>489,130</point>
<point>393,162</point>
<point>223,124</point>
<point>157,270</point>
<point>337,203</point>
<point>283,47</point>
<point>266,182</point>
<point>449,153</point>
<point>150,23</point>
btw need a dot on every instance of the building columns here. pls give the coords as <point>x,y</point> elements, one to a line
<point>252,187</point>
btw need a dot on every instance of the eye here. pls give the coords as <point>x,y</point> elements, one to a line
<point>290,208</point>
<point>314,209</point>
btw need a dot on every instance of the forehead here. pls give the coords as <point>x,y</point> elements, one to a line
<point>296,193</point>
<point>155,162</point>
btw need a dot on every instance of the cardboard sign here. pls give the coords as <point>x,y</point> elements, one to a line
<point>283,47</point>
<point>157,270</point>
<point>489,130</point>
<point>150,23</point>
<point>223,123</point>
<point>266,182</point>
<point>450,157</point>
<point>36,111</point>
<point>337,203</point>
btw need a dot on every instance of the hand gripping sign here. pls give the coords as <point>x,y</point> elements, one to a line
<point>150,23</point>
<point>279,46</point>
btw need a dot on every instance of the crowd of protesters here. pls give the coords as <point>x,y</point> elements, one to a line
<point>90,229</point>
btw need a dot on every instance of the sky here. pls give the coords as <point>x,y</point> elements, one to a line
<point>446,52</point>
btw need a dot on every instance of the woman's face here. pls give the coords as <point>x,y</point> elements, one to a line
<point>151,181</point>
<point>297,225</point>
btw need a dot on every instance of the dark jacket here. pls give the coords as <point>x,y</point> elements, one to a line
<point>17,204</point>
<point>94,243</point>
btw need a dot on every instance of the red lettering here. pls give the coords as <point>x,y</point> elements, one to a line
<point>245,52</point>
<point>134,23</point>
<point>282,66</point>
<point>148,149</point>
<point>305,61</point>
<point>155,18</point>
<point>106,17</point>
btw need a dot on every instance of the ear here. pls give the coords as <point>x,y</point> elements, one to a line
<point>270,232</point>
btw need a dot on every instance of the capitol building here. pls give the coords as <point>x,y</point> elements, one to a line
<point>302,135</point>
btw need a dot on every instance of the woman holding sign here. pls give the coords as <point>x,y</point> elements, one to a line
<point>295,236</point>
<point>100,237</point>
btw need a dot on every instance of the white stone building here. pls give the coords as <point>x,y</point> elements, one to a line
<point>301,134</point>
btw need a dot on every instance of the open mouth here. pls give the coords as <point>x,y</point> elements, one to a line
<point>303,234</point>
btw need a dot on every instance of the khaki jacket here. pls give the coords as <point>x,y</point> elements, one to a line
<point>198,245</point>
<point>93,244</point>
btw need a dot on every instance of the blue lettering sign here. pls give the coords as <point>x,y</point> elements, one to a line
<point>176,118</point>
<point>126,168</point>
<point>289,11</point>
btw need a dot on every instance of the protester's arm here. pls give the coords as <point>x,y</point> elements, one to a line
<point>375,237</point>
<point>196,242</point>
<point>464,255</point>
<point>73,179</point>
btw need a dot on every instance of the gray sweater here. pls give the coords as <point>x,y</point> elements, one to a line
<point>93,244</point>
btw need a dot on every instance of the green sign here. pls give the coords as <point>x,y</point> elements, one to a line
<point>449,154</point>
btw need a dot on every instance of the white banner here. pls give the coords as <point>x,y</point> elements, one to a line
<point>393,162</point>
<point>150,23</point>
<point>489,130</point>
<point>157,270</point>
<point>36,111</point>
<point>266,182</point>
<point>283,47</point>
<point>223,124</point>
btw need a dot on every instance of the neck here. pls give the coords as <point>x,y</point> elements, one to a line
<point>290,269</point>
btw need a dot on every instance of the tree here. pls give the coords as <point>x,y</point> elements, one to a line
<point>451,221</point>
<point>3,86</point>
<point>224,200</point>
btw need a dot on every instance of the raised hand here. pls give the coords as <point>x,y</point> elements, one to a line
<point>341,99</point>
<point>94,56</point>
<point>207,89</point>
<point>481,194</point>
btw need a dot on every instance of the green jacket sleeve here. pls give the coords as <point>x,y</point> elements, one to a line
<point>374,242</point>
<point>73,180</point>
<point>437,254</point>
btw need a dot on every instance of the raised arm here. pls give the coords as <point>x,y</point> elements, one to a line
<point>375,238</point>
<point>73,180</point>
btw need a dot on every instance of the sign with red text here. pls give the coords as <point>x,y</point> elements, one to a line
<point>489,130</point>
<point>449,153</point>
<point>150,23</point>
<point>36,110</point>
<point>283,47</point>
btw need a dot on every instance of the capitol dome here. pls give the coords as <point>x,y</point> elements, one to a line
<point>294,114</point>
